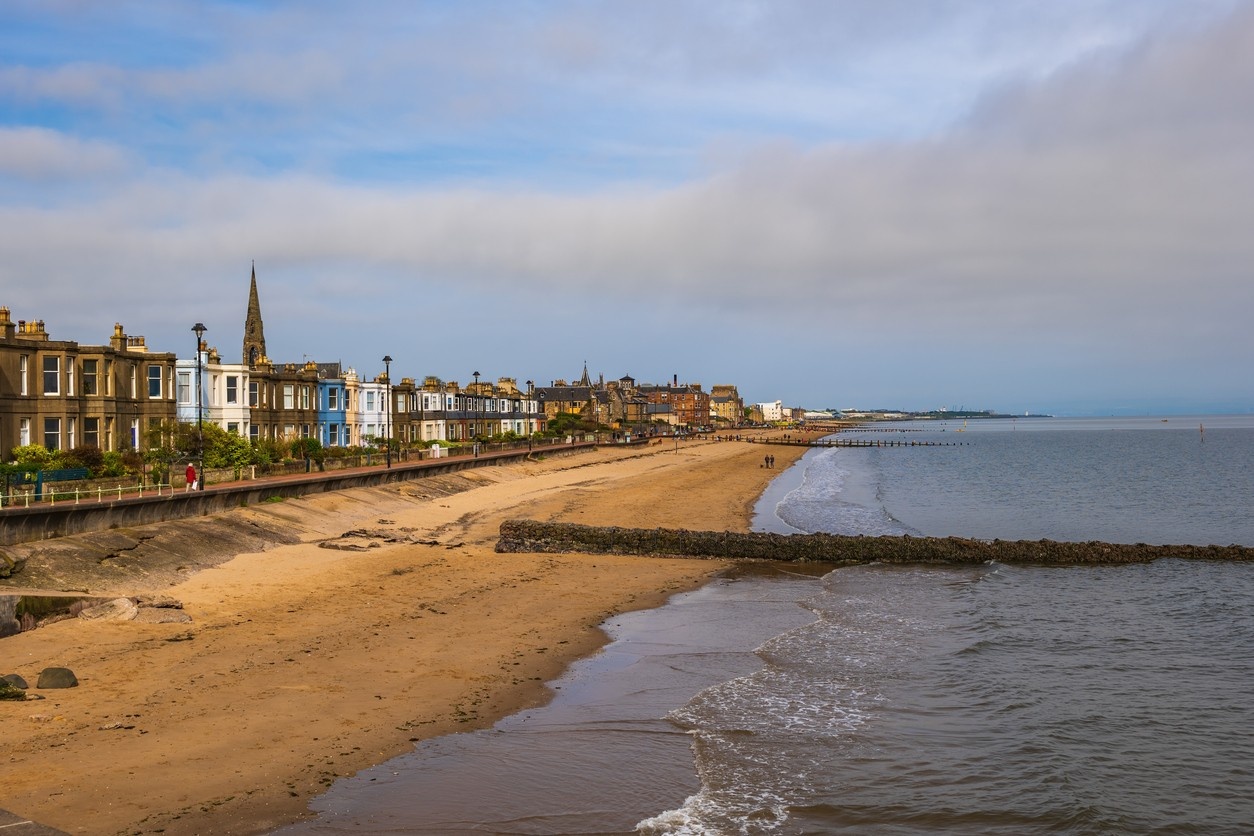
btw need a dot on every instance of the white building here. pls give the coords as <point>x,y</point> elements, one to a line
<point>773,411</point>
<point>223,392</point>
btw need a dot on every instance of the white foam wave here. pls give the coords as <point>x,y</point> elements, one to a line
<point>823,502</point>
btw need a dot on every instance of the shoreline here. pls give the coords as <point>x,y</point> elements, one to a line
<point>305,664</point>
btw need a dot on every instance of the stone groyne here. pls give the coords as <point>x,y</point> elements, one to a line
<point>531,536</point>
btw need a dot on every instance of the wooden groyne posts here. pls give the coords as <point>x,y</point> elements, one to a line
<point>880,442</point>
<point>859,442</point>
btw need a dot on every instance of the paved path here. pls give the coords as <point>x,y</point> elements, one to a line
<point>11,825</point>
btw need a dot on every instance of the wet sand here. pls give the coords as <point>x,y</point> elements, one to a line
<point>303,664</point>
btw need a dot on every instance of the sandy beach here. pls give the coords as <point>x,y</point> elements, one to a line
<point>302,664</point>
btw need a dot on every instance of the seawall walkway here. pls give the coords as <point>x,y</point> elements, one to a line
<point>42,522</point>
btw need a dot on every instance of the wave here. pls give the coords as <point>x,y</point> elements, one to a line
<point>835,498</point>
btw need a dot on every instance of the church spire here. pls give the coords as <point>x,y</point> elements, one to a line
<point>254,331</point>
<point>585,380</point>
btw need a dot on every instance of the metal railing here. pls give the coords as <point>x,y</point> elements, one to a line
<point>219,476</point>
<point>25,499</point>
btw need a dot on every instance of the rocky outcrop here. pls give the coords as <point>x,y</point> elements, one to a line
<point>50,678</point>
<point>145,609</point>
<point>12,687</point>
<point>119,609</point>
<point>9,565</point>
<point>531,536</point>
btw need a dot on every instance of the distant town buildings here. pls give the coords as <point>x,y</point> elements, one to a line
<point>61,394</point>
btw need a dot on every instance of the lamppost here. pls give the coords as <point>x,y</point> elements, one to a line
<point>199,330</point>
<point>530,390</point>
<point>422,418</point>
<point>474,429</point>
<point>387,416</point>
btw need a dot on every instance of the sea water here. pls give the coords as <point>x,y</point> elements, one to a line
<point>896,700</point>
<point>1175,481</point>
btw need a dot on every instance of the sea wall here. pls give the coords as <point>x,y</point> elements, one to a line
<point>531,536</point>
<point>46,521</point>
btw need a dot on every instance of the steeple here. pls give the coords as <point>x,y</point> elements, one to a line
<point>254,331</point>
<point>585,380</point>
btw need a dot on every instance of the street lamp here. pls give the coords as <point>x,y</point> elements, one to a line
<point>387,416</point>
<point>200,330</point>
<point>530,390</point>
<point>474,431</point>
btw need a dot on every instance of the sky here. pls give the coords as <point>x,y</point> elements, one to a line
<point>1024,205</point>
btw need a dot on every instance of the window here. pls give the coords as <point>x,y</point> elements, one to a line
<point>154,381</point>
<point>108,376</point>
<point>91,377</point>
<point>22,372</point>
<point>91,432</point>
<point>289,430</point>
<point>213,390</point>
<point>289,396</point>
<point>23,436</point>
<point>134,383</point>
<point>304,431</point>
<point>185,387</point>
<point>333,433</point>
<point>52,378</point>
<point>73,431</point>
<point>52,433</point>
<point>252,393</point>
<point>108,434</point>
<point>134,423</point>
<point>253,432</point>
<point>333,398</point>
<point>69,377</point>
<point>304,399</point>
<point>232,389</point>
<point>232,427</point>
<point>370,402</point>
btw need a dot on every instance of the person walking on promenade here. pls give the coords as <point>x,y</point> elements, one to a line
<point>191,476</point>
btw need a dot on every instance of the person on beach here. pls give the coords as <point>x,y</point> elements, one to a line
<point>766,461</point>
<point>191,477</point>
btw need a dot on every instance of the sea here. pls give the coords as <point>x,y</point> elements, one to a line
<point>989,699</point>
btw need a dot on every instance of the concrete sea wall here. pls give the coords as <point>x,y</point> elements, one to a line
<point>42,522</point>
<point>531,536</point>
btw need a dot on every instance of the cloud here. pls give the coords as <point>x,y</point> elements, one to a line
<point>1089,206</point>
<point>39,154</point>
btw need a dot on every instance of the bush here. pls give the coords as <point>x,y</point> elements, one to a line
<point>89,457</point>
<point>308,448</point>
<point>35,454</point>
<point>112,464</point>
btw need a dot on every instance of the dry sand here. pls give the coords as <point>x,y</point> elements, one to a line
<point>303,664</point>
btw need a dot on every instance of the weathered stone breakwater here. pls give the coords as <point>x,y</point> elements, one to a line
<point>531,536</point>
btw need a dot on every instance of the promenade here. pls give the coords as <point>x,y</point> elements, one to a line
<point>103,510</point>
